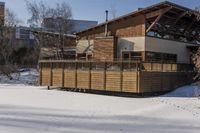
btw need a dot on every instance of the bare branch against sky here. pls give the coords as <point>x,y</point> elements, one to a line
<point>113,10</point>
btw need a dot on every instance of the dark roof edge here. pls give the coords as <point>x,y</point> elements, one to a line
<point>138,11</point>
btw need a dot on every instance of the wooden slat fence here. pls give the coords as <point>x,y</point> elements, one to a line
<point>117,76</point>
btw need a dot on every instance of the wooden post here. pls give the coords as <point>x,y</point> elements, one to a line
<point>121,76</point>
<point>151,66</point>
<point>90,78</point>
<point>63,75</point>
<point>140,66</point>
<point>138,77</point>
<point>51,74</point>
<point>76,74</point>
<point>105,68</point>
<point>171,66</point>
<point>40,66</point>
<point>161,73</point>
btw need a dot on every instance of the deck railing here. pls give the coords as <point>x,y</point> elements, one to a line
<point>115,76</point>
<point>118,65</point>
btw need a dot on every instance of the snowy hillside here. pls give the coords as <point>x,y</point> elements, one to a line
<point>186,91</point>
<point>31,109</point>
<point>25,76</point>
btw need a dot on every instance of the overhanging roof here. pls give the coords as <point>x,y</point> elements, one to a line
<point>158,6</point>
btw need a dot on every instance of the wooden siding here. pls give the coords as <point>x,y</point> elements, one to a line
<point>57,77</point>
<point>167,67</point>
<point>163,81</point>
<point>69,78</point>
<point>104,49</point>
<point>45,77</point>
<point>83,78</point>
<point>130,82</point>
<point>113,81</point>
<point>97,80</point>
<point>130,27</point>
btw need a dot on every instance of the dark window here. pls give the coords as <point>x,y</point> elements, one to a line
<point>161,57</point>
<point>131,55</point>
<point>57,65</point>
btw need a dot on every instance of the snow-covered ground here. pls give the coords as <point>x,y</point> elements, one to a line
<point>26,77</point>
<point>32,109</point>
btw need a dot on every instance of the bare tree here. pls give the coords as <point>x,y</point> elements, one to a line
<point>7,41</point>
<point>196,53</point>
<point>113,11</point>
<point>197,13</point>
<point>11,21</point>
<point>54,19</point>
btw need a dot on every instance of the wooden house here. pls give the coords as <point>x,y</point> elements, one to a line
<point>164,32</point>
<point>160,37</point>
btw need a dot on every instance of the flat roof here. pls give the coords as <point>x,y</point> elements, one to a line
<point>47,32</point>
<point>160,5</point>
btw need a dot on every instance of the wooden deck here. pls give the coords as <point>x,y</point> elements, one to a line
<point>131,77</point>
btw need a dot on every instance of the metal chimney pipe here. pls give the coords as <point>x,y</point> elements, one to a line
<point>106,25</point>
<point>106,15</point>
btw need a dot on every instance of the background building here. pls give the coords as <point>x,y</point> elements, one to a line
<point>24,37</point>
<point>76,25</point>
<point>2,13</point>
<point>79,25</point>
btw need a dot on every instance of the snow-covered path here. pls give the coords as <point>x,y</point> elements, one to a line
<point>26,109</point>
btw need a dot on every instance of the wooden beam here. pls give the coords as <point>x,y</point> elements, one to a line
<point>179,17</point>
<point>188,27</point>
<point>152,14</point>
<point>169,17</point>
<point>162,12</point>
<point>153,24</point>
<point>155,13</point>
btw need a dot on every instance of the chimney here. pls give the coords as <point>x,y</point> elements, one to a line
<point>106,25</point>
<point>106,15</point>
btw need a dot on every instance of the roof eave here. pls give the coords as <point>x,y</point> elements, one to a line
<point>135,13</point>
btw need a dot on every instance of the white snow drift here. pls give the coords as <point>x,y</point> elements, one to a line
<point>31,109</point>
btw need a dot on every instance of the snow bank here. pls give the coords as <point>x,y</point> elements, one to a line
<point>25,77</point>
<point>30,109</point>
<point>186,91</point>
